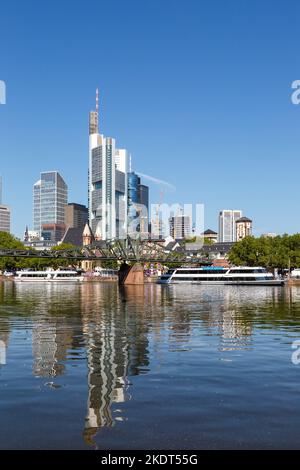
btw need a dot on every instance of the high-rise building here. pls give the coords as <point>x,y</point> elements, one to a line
<point>4,213</point>
<point>4,218</point>
<point>144,215</point>
<point>107,193</point>
<point>134,182</point>
<point>50,196</point>
<point>138,206</point>
<point>243,228</point>
<point>227,228</point>
<point>53,232</point>
<point>76,215</point>
<point>180,227</point>
<point>37,207</point>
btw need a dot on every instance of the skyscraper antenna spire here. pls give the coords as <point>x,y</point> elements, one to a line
<point>97,108</point>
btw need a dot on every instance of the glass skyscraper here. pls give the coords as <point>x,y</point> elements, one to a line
<point>107,184</point>
<point>50,197</point>
<point>133,202</point>
<point>134,182</point>
<point>138,205</point>
<point>144,216</point>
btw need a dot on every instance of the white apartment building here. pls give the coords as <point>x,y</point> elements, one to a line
<point>227,224</point>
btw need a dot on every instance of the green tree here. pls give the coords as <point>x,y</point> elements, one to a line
<point>9,242</point>
<point>208,241</point>
<point>110,264</point>
<point>278,252</point>
<point>63,262</point>
<point>244,252</point>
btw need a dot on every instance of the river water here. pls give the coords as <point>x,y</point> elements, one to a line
<point>96,366</point>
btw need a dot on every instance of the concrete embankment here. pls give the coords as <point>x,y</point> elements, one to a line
<point>100,279</point>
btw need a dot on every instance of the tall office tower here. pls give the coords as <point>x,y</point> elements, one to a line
<point>107,183</point>
<point>50,196</point>
<point>180,227</point>
<point>37,207</point>
<point>4,218</point>
<point>243,228</point>
<point>138,206</point>
<point>94,117</point>
<point>121,160</point>
<point>227,228</point>
<point>133,203</point>
<point>76,215</point>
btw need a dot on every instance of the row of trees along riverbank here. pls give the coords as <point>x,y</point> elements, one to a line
<point>9,242</point>
<point>278,252</point>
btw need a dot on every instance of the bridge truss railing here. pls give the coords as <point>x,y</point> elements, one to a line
<point>128,250</point>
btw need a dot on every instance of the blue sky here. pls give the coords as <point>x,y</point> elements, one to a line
<point>198,91</point>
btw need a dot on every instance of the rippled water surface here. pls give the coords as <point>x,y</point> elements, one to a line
<point>98,366</point>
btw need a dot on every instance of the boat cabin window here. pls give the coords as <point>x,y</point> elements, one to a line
<point>35,275</point>
<point>201,271</point>
<point>65,274</point>
<point>247,271</point>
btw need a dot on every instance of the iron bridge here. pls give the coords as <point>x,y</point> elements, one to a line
<point>127,250</point>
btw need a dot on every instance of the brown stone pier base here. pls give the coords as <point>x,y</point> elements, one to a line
<point>131,274</point>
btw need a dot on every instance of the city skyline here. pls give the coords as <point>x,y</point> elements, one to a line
<point>149,236</point>
<point>220,120</point>
<point>114,186</point>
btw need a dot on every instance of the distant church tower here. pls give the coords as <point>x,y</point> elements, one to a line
<point>87,236</point>
<point>26,235</point>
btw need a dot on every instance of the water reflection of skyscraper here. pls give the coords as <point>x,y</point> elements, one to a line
<point>51,341</point>
<point>214,310</point>
<point>54,311</point>
<point>5,291</point>
<point>223,312</point>
<point>233,311</point>
<point>111,335</point>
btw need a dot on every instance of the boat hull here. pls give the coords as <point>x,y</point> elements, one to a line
<point>271,282</point>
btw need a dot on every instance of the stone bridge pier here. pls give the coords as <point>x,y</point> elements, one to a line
<point>129,275</point>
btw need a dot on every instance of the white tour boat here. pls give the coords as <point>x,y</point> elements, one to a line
<point>295,274</point>
<point>210,275</point>
<point>67,275</point>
